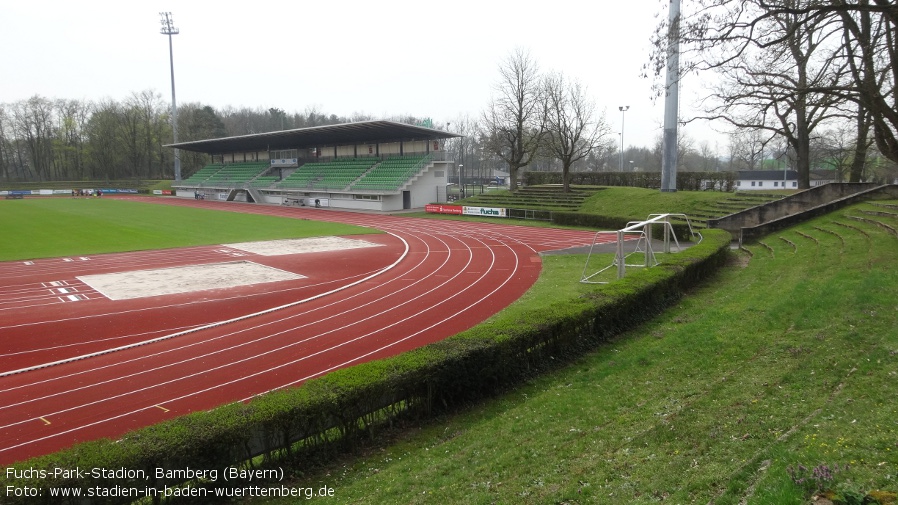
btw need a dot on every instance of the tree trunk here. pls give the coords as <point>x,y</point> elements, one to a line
<point>856,173</point>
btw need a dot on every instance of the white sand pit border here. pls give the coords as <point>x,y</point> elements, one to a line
<point>301,245</point>
<point>184,279</point>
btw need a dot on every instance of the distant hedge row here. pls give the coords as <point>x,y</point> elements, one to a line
<point>686,181</point>
<point>327,414</point>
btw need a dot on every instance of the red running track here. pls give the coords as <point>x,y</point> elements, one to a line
<point>177,354</point>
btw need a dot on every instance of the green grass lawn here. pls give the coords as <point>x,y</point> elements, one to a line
<point>637,203</point>
<point>788,357</point>
<point>49,227</point>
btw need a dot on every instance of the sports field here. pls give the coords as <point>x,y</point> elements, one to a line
<point>50,227</point>
<point>153,333</point>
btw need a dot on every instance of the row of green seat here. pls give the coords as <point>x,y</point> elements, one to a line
<point>388,174</point>
<point>229,172</point>
<point>204,173</point>
<point>391,174</point>
<point>264,181</point>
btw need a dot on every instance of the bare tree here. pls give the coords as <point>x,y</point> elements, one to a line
<point>573,128</point>
<point>685,150</point>
<point>104,134</point>
<point>514,121</point>
<point>708,157</point>
<point>6,143</point>
<point>871,48</point>
<point>464,148</point>
<point>778,89</point>
<point>70,145</point>
<point>747,149</point>
<point>862,143</point>
<point>718,32</point>
<point>35,125</point>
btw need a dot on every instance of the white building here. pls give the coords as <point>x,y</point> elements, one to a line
<point>749,180</point>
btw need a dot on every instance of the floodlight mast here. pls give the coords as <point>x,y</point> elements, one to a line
<point>169,29</point>
<point>623,110</point>
<point>671,102</point>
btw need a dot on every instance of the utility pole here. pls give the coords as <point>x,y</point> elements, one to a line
<point>169,29</point>
<point>623,109</point>
<point>671,102</point>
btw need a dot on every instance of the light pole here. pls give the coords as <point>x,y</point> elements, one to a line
<point>461,191</point>
<point>623,110</point>
<point>169,29</point>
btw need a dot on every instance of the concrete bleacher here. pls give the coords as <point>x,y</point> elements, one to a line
<point>334,175</point>
<point>237,173</point>
<point>203,173</point>
<point>341,174</point>
<point>264,181</point>
<point>391,174</point>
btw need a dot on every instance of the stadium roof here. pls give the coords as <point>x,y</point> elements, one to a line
<point>317,136</point>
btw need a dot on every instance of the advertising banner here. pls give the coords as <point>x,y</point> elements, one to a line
<point>444,209</point>
<point>112,191</point>
<point>485,211</point>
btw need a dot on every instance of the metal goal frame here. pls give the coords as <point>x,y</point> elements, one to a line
<point>642,231</point>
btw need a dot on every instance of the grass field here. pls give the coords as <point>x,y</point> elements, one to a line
<point>50,227</point>
<point>788,357</point>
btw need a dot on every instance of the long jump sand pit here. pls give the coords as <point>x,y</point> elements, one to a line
<point>301,245</point>
<point>185,279</point>
<point>191,278</point>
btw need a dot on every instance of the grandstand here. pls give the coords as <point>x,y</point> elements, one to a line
<point>371,165</point>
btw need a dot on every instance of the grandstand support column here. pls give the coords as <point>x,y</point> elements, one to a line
<point>169,29</point>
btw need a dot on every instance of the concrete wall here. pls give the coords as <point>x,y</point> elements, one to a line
<point>430,186</point>
<point>793,204</point>
<point>850,193</point>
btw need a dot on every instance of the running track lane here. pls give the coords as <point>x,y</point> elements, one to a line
<point>39,324</point>
<point>454,275</point>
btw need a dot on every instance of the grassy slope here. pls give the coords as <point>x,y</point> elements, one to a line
<point>790,359</point>
<point>628,203</point>
<point>637,203</point>
<point>39,228</point>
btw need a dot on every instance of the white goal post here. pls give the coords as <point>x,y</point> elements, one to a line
<point>639,232</point>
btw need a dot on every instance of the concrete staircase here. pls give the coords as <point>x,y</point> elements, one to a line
<point>754,222</point>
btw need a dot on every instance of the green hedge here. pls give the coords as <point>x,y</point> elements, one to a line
<point>325,415</point>
<point>686,181</point>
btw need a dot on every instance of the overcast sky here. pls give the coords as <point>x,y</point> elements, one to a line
<point>382,58</point>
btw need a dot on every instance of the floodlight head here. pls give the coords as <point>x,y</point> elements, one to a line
<point>624,108</point>
<point>167,28</point>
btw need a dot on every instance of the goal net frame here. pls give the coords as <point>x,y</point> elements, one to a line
<point>639,233</point>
